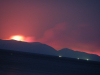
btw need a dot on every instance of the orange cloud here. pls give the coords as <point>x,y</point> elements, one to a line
<point>29,39</point>
<point>79,38</point>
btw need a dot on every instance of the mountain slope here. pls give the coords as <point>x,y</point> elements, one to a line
<point>34,47</point>
<point>37,47</point>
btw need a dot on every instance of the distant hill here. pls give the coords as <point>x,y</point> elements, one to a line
<point>34,47</point>
<point>37,47</point>
<point>79,55</point>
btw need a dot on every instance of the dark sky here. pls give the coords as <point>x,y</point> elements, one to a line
<point>72,24</point>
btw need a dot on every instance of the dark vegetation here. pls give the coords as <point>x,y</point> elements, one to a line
<point>24,63</point>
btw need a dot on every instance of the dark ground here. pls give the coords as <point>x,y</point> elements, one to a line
<point>21,63</point>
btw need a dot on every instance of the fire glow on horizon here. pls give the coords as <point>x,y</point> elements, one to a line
<point>22,38</point>
<point>17,38</point>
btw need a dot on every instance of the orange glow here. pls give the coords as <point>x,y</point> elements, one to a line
<point>17,38</point>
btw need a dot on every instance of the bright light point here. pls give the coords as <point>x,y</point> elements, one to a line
<point>87,59</point>
<point>77,58</point>
<point>60,56</point>
<point>17,38</point>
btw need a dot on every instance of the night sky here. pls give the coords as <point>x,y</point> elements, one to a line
<point>72,24</point>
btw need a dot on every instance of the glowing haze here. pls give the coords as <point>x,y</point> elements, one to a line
<point>58,23</point>
<point>21,38</point>
<point>17,38</point>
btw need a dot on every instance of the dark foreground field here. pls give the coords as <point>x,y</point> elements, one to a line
<point>21,63</point>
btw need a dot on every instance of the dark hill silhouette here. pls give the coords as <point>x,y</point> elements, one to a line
<point>34,47</point>
<point>37,47</point>
<point>76,54</point>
